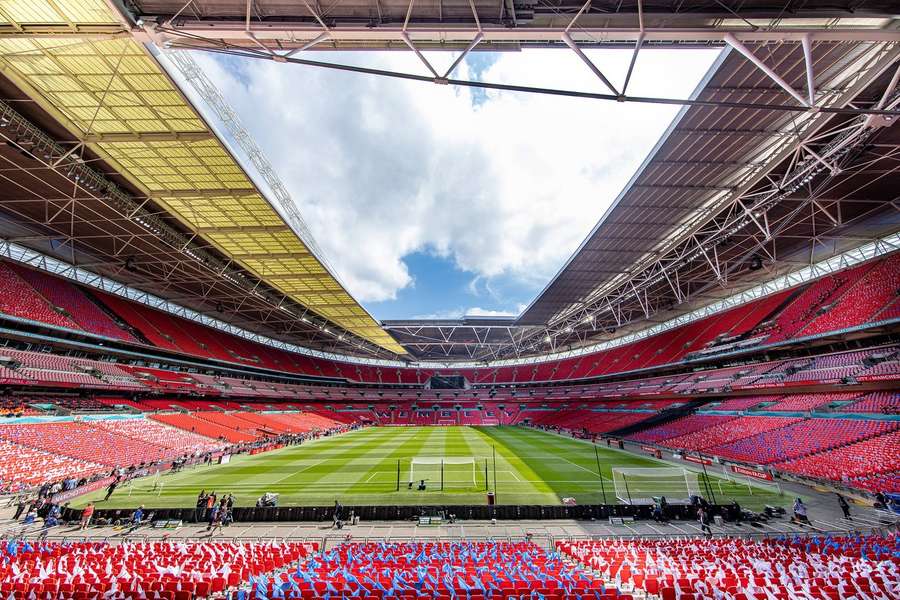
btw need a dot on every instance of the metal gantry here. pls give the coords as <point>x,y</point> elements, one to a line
<point>436,346</point>
<point>465,340</point>
<point>746,224</point>
<point>17,252</point>
<point>179,39</point>
<point>83,197</point>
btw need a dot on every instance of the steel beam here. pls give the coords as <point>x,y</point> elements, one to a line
<point>732,41</point>
<point>184,136</point>
<point>458,37</point>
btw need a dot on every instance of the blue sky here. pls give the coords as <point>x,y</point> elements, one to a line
<point>440,290</point>
<point>436,201</point>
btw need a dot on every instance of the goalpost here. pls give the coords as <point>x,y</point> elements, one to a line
<point>640,485</point>
<point>750,483</point>
<point>444,471</point>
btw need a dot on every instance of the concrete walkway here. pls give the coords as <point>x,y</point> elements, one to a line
<point>824,518</point>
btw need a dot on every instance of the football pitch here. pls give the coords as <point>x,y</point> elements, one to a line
<point>458,464</point>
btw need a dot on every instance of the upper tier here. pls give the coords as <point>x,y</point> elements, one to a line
<point>859,295</point>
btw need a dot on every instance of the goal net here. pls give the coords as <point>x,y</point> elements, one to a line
<point>641,486</point>
<point>730,480</point>
<point>444,471</point>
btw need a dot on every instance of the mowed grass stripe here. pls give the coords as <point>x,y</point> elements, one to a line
<point>346,470</point>
<point>247,477</point>
<point>576,466</point>
<point>468,439</point>
<point>360,468</point>
<point>336,478</point>
<point>460,478</point>
<point>565,467</point>
<point>515,481</point>
<point>385,469</point>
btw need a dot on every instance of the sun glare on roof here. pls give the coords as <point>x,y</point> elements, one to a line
<point>492,191</point>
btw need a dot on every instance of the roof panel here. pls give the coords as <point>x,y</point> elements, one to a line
<point>223,211</point>
<point>23,11</point>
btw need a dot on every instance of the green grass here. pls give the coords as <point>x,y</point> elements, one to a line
<point>360,468</point>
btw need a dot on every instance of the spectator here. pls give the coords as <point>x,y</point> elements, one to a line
<point>800,516</point>
<point>200,509</point>
<point>219,519</point>
<point>845,507</point>
<point>337,514</point>
<point>21,503</point>
<point>736,513</point>
<point>86,515</point>
<point>136,517</point>
<point>112,487</point>
<point>52,517</point>
<point>703,518</point>
<point>30,517</point>
<point>212,516</point>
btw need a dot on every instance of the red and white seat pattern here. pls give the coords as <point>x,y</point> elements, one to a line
<point>34,453</point>
<point>728,431</point>
<point>21,466</point>
<point>35,368</point>
<point>876,402</point>
<point>882,482</point>
<point>19,299</point>
<point>860,453</point>
<point>864,464</point>
<point>594,422</point>
<point>864,293</point>
<point>806,402</point>
<point>872,292</point>
<point>680,427</point>
<point>438,570</point>
<point>70,298</point>
<point>84,442</point>
<point>804,438</point>
<point>168,571</point>
<point>744,569</point>
<point>197,423</point>
<point>154,432</point>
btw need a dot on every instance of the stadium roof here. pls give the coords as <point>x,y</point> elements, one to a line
<point>117,100</point>
<point>273,25</point>
<point>707,156</point>
<point>131,182</point>
<point>726,185</point>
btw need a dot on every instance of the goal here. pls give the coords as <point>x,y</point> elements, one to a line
<point>641,485</point>
<point>444,471</point>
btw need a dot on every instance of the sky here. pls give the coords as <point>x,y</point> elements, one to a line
<point>436,201</point>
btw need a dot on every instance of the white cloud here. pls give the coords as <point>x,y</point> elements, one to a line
<point>475,311</point>
<point>483,312</point>
<point>381,168</point>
